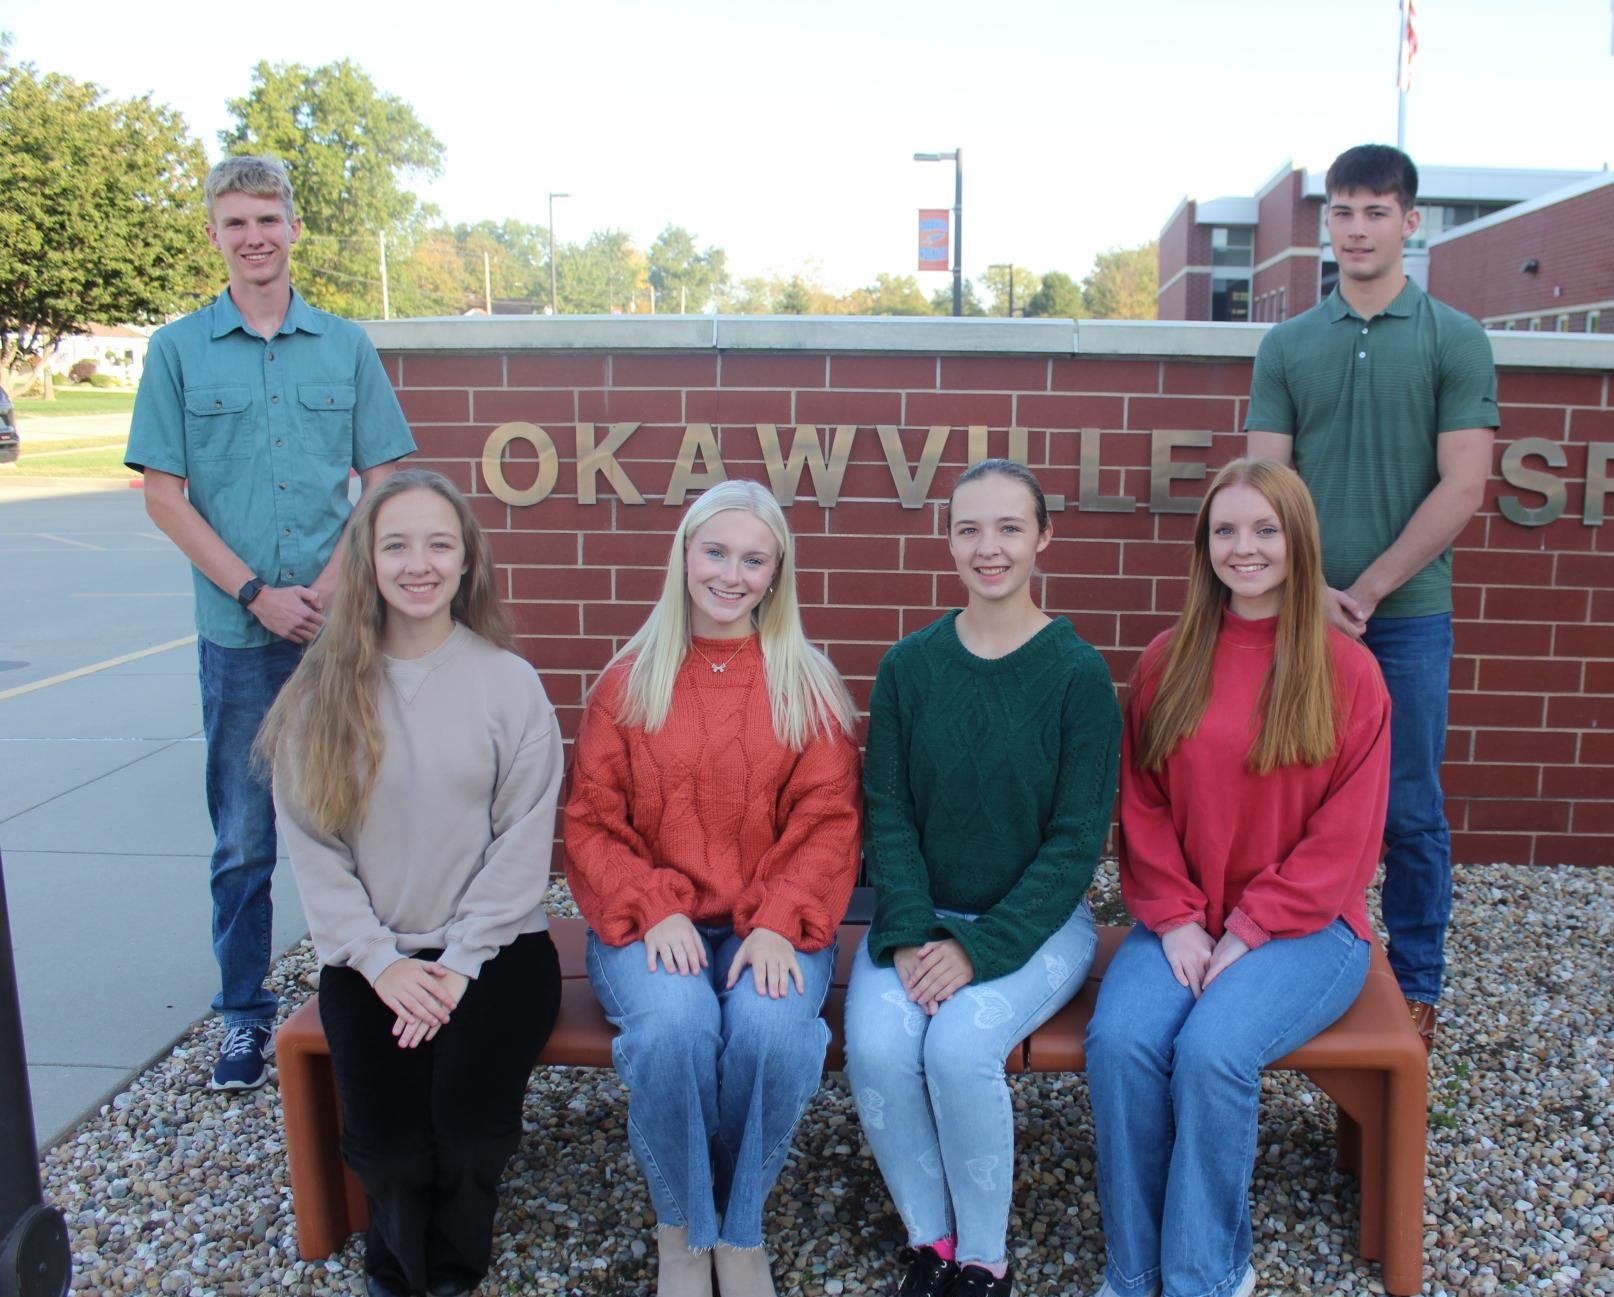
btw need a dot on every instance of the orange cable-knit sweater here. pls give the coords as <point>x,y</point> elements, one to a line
<point>711,816</point>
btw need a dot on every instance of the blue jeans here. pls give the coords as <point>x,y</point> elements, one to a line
<point>931,1093</point>
<point>717,1079</point>
<point>1414,654</point>
<point>1176,1091</point>
<point>238,687</point>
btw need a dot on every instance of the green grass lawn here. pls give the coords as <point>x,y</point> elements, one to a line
<point>76,400</point>
<point>68,458</point>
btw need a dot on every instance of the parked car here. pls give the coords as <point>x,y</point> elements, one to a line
<point>10,443</point>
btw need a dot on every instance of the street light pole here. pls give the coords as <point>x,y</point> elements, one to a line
<point>554,299</point>
<point>956,157</point>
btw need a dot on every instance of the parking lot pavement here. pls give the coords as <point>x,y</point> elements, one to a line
<point>103,826</point>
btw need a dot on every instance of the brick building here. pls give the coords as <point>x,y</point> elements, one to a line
<point>1266,257</point>
<point>1546,265</point>
<point>578,438</point>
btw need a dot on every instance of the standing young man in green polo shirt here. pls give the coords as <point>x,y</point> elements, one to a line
<point>1385,401</point>
<point>250,415</point>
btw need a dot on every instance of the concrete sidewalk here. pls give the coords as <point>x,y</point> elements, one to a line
<point>103,824</point>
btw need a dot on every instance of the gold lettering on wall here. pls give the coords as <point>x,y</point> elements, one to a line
<point>1162,472</point>
<point>912,484</point>
<point>1598,457</point>
<point>699,439</point>
<point>1090,501</point>
<point>912,490</point>
<point>1531,479</point>
<point>493,463</point>
<point>595,461</point>
<point>784,475</point>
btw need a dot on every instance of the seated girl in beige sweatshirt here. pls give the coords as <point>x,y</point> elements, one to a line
<point>417,763</point>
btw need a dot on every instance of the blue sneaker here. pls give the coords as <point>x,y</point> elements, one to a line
<point>241,1060</point>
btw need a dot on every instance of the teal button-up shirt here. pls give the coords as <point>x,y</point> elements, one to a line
<point>265,430</point>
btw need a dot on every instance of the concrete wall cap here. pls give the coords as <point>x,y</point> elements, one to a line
<point>974,335</point>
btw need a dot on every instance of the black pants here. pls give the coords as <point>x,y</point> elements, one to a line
<point>428,1130</point>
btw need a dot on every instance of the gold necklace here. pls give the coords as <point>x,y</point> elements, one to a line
<point>718,668</point>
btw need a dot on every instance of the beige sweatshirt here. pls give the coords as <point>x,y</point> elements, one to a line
<point>455,851</point>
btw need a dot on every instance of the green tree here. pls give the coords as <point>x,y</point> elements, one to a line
<point>604,275</point>
<point>350,149</point>
<point>996,280</point>
<point>1122,284</point>
<point>100,211</point>
<point>941,301</point>
<point>685,278</point>
<point>890,295</point>
<point>1058,295</point>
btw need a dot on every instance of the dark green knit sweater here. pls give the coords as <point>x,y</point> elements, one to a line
<point>988,785</point>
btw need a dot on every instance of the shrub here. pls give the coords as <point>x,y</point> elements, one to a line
<point>104,380</point>
<point>82,371</point>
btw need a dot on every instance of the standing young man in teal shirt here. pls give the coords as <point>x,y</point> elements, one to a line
<point>1385,401</point>
<point>251,413</point>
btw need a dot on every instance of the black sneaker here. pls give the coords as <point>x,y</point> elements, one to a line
<point>977,1281</point>
<point>241,1060</point>
<point>928,1274</point>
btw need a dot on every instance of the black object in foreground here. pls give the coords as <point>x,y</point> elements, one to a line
<point>35,1260</point>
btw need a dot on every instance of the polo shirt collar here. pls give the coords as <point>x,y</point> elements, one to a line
<point>299,316</point>
<point>1405,303</point>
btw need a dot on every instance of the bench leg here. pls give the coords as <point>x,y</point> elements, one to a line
<point>1406,1139</point>
<point>319,1193</point>
<point>1348,1142</point>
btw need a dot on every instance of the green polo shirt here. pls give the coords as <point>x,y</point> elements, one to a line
<point>1366,401</point>
<point>265,430</point>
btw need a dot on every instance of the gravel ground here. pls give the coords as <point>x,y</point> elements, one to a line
<point>173,1189</point>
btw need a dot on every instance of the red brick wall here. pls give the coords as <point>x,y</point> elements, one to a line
<point>1287,219</point>
<point>1479,273</point>
<point>1530,773</point>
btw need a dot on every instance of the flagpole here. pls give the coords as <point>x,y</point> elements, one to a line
<point>1403,76</point>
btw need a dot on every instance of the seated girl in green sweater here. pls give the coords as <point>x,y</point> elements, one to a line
<point>994,738</point>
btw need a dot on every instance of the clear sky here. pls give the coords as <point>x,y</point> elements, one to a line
<point>785,133</point>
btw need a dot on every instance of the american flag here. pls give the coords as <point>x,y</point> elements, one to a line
<point>1409,45</point>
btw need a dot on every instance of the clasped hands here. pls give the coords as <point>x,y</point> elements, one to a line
<point>1196,961</point>
<point>423,995</point>
<point>772,959</point>
<point>931,973</point>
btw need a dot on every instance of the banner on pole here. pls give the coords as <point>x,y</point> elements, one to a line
<point>934,224</point>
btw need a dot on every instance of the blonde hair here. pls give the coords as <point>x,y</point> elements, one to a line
<point>256,174</point>
<point>806,692</point>
<point>324,730</point>
<point>1299,709</point>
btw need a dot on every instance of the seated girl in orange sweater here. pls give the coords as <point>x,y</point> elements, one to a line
<point>712,843</point>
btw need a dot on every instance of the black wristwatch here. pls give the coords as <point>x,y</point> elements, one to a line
<point>247,593</point>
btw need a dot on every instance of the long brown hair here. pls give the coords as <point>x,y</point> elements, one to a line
<point>1297,698</point>
<point>324,730</point>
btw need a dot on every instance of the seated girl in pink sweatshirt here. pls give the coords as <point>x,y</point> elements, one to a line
<point>1254,773</point>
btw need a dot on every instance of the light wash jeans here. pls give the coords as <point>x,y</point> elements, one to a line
<point>716,1078</point>
<point>1176,1091</point>
<point>1414,654</point>
<point>931,1093</point>
<point>238,687</point>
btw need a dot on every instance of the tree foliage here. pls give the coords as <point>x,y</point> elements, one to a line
<point>1122,284</point>
<point>996,280</point>
<point>1057,295</point>
<point>100,210</point>
<point>891,295</point>
<point>941,301</point>
<point>350,149</point>
<point>683,277</point>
